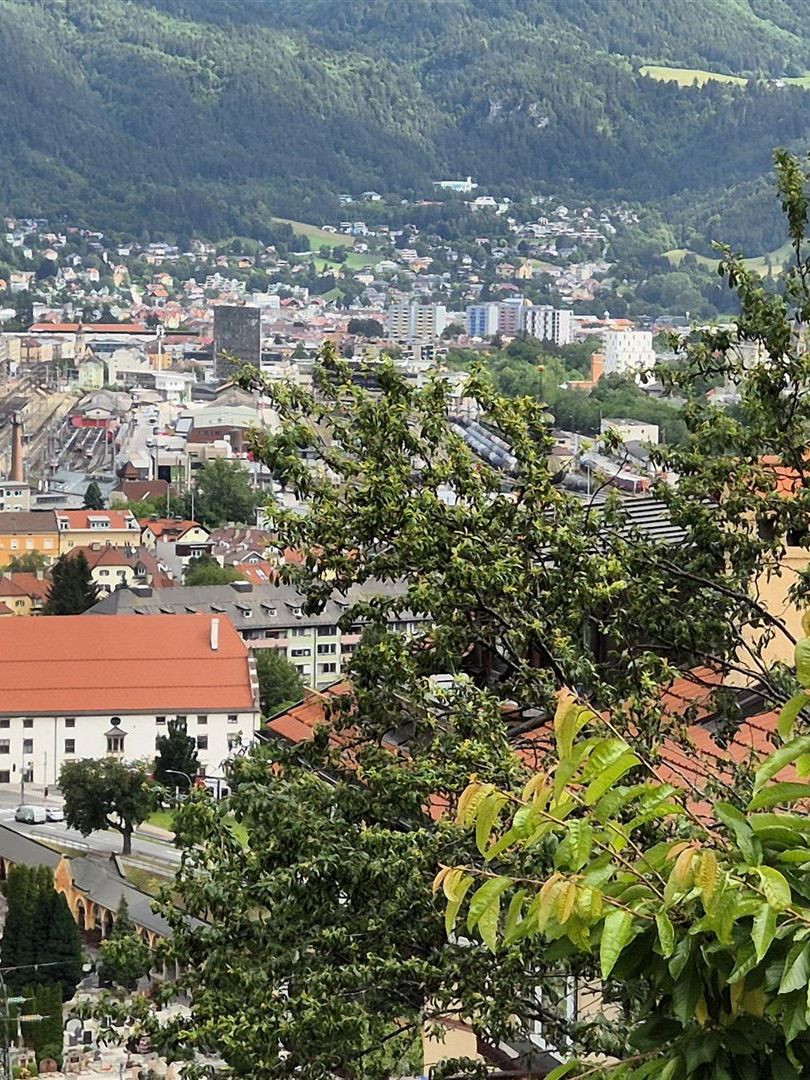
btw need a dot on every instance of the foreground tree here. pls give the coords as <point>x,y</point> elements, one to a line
<point>106,794</point>
<point>72,589</point>
<point>325,915</point>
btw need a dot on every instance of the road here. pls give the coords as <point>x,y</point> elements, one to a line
<point>103,843</point>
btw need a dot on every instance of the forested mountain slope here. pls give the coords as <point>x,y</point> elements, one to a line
<point>214,114</point>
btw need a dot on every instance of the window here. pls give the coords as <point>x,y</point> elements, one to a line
<point>300,652</point>
<point>115,744</point>
<point>5,776</point>
<point>5,746</point>
<point>5,723</point>
<point>302,669</point>
<point>29,545</point>
<point>70,746</point>
<point>160,719</point>
<point>233,718</point>
<point>326,669</point>
<point>202,742</point>
<point>14,545</point>
<point>327,631</point>
<point>327,650</point>
<point>28,721</point>
<point>48,544</point>
<point>28,746</point>
<point>300,631</point>
<point>19,603</point>
<point>202,719</point>
<point>234,740</point>
<point>180,719</point>
<point>275,634</point>
<point>70,722</point>
<point>104,573</point>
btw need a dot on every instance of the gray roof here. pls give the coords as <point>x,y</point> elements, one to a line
<point>104,885</point>
<point>24,851</point>
<point>269,606</point>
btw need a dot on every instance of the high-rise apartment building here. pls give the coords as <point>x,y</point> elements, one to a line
<point>482,320</point>
<point>410,322</point>
<point>237,338</point>
<point>510,316</point>
<point>628,351</point>
<point>549,324</point>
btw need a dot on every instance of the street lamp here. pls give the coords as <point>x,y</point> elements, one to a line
<point>187,778</point>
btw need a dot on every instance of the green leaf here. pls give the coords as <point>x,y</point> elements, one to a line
<point>775,887</point>
<point>597,788</point>
<point>749,844</point>
<point>575,849</point>
<point>487,894</point>
<point>796,970</point>
<point>790,711</point>
<point>666,934</point>
<point>487,813</point>
<point>794,855</point>
<point>617,931</point>
<point>454,905</point>
<point>781,759</point>
<point>562,1070</point>
<point>801,656</point>
<point>569,718</point>
<point>513,915</point>
<point>779,794</point>
<point>794,1017</point>
<point>763,930</point>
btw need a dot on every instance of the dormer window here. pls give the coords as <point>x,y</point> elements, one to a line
<point>115,737</point>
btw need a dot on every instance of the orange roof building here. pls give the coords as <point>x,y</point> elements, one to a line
<point>77,687</point>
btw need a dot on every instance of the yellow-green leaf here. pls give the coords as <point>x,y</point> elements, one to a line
<point>786,755</point>
<point>597,788</point>
<point>802,660</point>
<point>775,887</point>
<point>454,905</point>
<point>666,934</point>
<point>485,819</point>
<point>488,924</point>
<point>706,876</point>
<point>485,895</point>
<point>790,711</point>
<point>779,794</point>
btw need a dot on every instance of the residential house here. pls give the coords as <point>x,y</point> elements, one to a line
<point>175,542</point>
<point>110,686</point>
<point>14,495</point>
<point>78,528</point>
<point>119,567</point>
<point>27,531</point>
<point>23,592</point>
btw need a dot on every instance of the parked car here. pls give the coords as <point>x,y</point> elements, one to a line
<point>31,815</point>
<point>54,813</point>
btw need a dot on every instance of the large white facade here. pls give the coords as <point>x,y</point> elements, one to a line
<point>38,746</point>
<point>410,322</point>
<point>549,324</point>
<point>628,351</point>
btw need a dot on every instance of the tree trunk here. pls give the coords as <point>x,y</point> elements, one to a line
<point>127,835</point>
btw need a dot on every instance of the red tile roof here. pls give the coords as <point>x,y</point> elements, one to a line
<point>118,664</point>
<point>170,528</point>
<point>80,519</point>
<point>23,583</point>
<point>143,489</point>
<point>92,328</point>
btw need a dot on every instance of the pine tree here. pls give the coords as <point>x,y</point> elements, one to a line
<point>72,589</point>
<point>93,499</point>
<point>177,753</point>
<point>17,946</point>
<point>62,948</point>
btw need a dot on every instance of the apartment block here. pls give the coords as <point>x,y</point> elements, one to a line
<point>411,322</point>
<point>628,351</point>
<point>549,324</point>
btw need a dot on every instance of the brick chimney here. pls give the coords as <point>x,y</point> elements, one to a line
<point>17,449</point>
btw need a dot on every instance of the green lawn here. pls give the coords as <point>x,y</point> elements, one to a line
<point>688,76</point>
<point>318,236</point>
<point>757,263</point>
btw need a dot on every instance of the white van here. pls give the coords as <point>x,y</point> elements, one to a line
<point>31,815</point>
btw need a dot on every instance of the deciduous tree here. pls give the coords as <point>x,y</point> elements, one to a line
<point>106,794</point>
<point>280,684</point>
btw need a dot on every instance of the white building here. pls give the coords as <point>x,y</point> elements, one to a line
<point>409,322</point>
<point>628,351</point>
<point>631,430</point>
<point>549,324</point>
<point>78,687</point>
<point>14,495</point>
